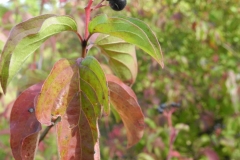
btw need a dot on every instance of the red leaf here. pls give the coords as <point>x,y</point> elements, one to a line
<point>75,142</point>
<point>24,127</point>
<point>72,139</point>
<point>210,154</point>
<point>62,1</point>
<point>125,102</point>
<point>6,18</point>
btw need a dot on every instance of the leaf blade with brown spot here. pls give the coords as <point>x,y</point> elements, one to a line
<point>24,127</point>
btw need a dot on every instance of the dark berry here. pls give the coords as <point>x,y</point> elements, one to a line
<point>117,5</point>
<point>160,110</point>
<point>163,106</point>
<point>175,104</point>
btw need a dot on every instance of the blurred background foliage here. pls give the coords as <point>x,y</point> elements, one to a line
<point>201,45</point>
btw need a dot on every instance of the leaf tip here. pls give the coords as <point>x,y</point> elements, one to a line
<point>3,88</point>
<point>162,64</point>
<point>160,61</point>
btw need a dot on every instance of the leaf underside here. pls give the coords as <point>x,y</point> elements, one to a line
<point>121,57</point>
<point>125,102</point>
<point>24,127</point>
<point>77,92</point>
<point>131,30</point>
<point>25,38</point>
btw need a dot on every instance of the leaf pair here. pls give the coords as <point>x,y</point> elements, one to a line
<point>76,91</point>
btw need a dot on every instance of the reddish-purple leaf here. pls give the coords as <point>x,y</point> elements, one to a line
<point>24,127</point>
<point>125,102</point>
<point>76,142</point>
<point>210,154</point>
<point>6,18</point>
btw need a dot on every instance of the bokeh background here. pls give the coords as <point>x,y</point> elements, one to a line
<point>201,45</point>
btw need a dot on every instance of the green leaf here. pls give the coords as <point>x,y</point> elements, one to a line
<point>92,73</point>
<point>131,30</point>
<point>144,156</point>
<point>25,38</point>
<point>76,91</point>
<point>121,57</point>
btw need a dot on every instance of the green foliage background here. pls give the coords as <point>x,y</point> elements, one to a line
<point>201,45</point>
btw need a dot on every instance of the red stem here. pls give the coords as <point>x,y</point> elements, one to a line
<point>88,10</point>
<point>87,19</point>
<point>80,37</point>
<point>172,134</point>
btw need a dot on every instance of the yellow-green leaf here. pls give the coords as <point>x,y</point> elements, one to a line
<point>25,38</point>
<point>131,30</point>
<point>121,57</point>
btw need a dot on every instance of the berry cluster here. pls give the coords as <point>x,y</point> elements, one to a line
<point>163,106</point>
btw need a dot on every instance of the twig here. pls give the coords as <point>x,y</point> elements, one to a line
<point>87,19</point>
<point>84,47</point>
<point>173,132</point>
<point>99,5</point>
<point>41,7</point>
<point>80,37</point>
<point>45,132</point>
